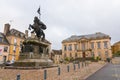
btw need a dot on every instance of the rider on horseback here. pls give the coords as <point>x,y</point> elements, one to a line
<point>38,28</point>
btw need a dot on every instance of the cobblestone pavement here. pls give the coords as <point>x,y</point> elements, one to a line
<point>52,73</point>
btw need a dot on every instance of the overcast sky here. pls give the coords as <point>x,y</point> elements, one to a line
<point>64,17</point>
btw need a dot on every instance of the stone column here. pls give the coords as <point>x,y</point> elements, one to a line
<point>26,33</point>
<point>32,35</point>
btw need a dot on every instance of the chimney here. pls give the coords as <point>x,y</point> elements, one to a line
<point>26,33</point>
<point>6,29</point>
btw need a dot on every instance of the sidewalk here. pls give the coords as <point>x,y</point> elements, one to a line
<point>83,73</point>
<point>94,70</point>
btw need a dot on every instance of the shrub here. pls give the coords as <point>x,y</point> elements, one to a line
<point>117,54</point>
<point>67,59</point>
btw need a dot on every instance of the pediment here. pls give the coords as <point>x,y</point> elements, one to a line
<point>83,39</point>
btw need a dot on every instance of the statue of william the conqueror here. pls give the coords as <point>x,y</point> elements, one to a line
<point>38,27</point>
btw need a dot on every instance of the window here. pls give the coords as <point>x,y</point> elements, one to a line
<point>14,49</point>
<point>106,53</point>
<point>20,43</point>
<point>83,46</point>
<point>70,55</point>
<point>76,55</point>
<point>15,42</point>
<point>0,39</point>
<point>1,51</point>
<point>5,49</point>
<point>64,55</point>
<point>92,45</point>
<point>92,54</point>
<point>99,53</point>
<point>65,48</point>
<point>76,46</point>
<point>105,44</point>
<point>70,47</point>
<point>98,45</point>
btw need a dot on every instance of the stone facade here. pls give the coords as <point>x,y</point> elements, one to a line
<point>116,47</point>
<point>56,56</point>
<point>91,45</point>
<point>4,48</point>
<point>15,38</point>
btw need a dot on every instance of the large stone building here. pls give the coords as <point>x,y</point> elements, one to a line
<point>15,38</point>
<point>4,48</point>
<point>56,56</point>
<point>116,47</point>
<point>91,45</point>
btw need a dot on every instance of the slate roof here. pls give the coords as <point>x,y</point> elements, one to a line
<point>16,33</point>
<point>57,52</point>
<point>97,35</point>
<point>4,40</point>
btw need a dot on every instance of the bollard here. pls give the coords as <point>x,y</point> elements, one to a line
<point>45,74</point>
<point>85,64</point>
<point>18,77</point>
<point>82,64</point>
<point>58,70</point>
<point>79,65</point>
<point>68,68</point>
<point>74,67</point>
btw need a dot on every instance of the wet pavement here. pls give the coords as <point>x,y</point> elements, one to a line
<point>110,71</point>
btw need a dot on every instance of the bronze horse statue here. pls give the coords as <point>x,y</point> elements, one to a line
<point>38,28</point>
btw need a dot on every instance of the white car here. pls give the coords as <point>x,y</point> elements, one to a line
<point>9,63</point>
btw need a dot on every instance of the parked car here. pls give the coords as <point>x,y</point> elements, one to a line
<point>9,63</point>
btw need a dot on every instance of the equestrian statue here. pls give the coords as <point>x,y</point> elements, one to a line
<point>38,28</point>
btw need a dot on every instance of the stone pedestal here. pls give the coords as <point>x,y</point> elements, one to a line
<point>34,54</point>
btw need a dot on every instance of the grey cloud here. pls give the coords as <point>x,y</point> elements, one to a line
<point>67,17</point>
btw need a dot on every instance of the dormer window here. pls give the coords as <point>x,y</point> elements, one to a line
<point>21,35</point>
<point>17,34</point>
<point>12,31</point>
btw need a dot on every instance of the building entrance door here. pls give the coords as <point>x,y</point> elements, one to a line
<point>84,56</point>
<point>4,59</point>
